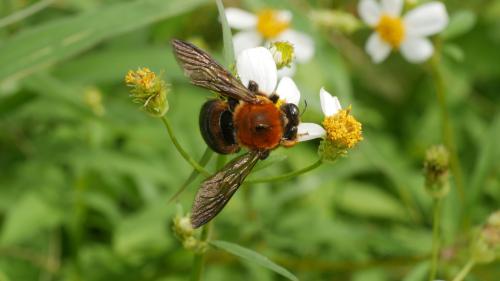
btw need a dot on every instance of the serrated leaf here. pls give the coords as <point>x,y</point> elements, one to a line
<point>47,44</point>
<point>252,256</point>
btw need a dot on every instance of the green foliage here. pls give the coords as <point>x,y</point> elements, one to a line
<point>85,176</point>
<point>252,256</point>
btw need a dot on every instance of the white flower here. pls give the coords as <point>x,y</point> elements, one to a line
<point>408,33</point>
<point>340,129</point>
<point>330,105</point>
<point>265,27</point>
<point>257,64</point>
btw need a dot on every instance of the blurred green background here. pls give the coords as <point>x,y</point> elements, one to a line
<point>85,175</point>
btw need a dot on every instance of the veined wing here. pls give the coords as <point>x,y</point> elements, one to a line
<point>216,191</point>
<point>205,72</point>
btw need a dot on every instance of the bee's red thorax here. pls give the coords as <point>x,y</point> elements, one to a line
<point>258,126</point>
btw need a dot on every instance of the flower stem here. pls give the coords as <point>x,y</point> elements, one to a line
<point>181,150</point>
<point>436,223</point>
<point>465,270</point>
<point>288,175</point>
<point>447,129</point>
<point>199,259</point>
<point>194,174</point>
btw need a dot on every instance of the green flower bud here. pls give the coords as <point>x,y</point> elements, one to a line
<point>329,151</point>
<point>148,90</point>
<point>283,53</point>
<point>93,98</point>
<point>436,166</point>
<point>487,246</point>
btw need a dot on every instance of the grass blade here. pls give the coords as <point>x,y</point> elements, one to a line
<point>227,37</point>
<point>52,42</point>
<point>252,256</point>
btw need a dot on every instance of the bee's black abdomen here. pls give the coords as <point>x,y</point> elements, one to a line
<point>216,127</point>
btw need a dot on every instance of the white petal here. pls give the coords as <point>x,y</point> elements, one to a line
<point>240,19</point>
<point>288,91</point>
<point>302,43</point>
<point>257,64</point>
<point>329,104</point>
<point>428,19</point>
<point>392,7</point>
<point>369,11</point>
<point>309,131</point>
<point>377,48</point>
<point>287,71</point>
<point>245,40</point>
<point>285,16</point>
<point>417,50</point>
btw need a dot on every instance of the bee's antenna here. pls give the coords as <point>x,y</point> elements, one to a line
<point>305,108</point>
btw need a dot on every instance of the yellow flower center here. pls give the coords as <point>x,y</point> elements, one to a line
<point>270,23</point>
<point>391,30</point>
<point>343,129</point>
<point>279,103</point>
<point>143,78</point>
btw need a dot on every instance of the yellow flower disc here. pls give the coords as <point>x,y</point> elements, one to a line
<point>343,129</point>
<point>391,30</point>
<point>270,23</point>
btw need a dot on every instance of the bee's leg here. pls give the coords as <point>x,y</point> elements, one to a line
<point>232,103</point>
<point>274,98</point>
<point>253,86</point>
<point>263,154</point>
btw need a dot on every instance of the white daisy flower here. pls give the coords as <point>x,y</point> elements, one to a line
<point>265,27</point>
<point>257,64</point>
<point>339,126</point>
<point>406,33</point>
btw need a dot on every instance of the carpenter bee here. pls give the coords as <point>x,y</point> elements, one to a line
<point>242,117</point>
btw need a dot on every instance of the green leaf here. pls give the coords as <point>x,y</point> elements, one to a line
<point>226,35</point>
<point>355,196</point>
<point>485,162</point>
<point>28,217</point>
<point>252,256</point>
<point>47,44</point>
<point>454,51</point>
<point>461,22</point>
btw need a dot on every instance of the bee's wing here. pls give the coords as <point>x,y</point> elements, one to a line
<point>205,72</point>
<point>216,191</point>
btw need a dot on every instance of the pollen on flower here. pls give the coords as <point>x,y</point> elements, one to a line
<point>279,103</point>
<point>271,23</point>
<point>391,30</point>
<point>143,77</point>
<point>343,129</point>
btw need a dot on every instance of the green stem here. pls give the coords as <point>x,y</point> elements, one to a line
<point>288,175</point>
<point>205,158</point>
<point>447,129</point>
<point>181,150</point>
<point>199,259</point>
<point>465,270</point>
<point>436,224</point>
